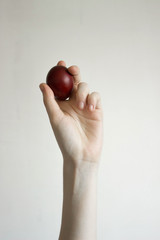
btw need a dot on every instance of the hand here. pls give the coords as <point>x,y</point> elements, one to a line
<point>77,122</point>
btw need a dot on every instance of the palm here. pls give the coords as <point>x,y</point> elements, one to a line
<point>79,133</point>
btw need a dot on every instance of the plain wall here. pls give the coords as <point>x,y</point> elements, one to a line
<point>116,44</point>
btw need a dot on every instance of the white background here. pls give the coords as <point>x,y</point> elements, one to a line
<point>116,44</point>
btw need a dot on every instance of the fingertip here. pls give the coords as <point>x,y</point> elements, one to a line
<point>74,70</point>
<point>46,90</point>
<point>41,87</point>
<point>61,63</point>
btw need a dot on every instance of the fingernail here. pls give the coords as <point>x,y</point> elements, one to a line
<point>81,105</point>
<point>91,107</point>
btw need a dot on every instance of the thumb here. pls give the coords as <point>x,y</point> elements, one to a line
<point>52,107</point>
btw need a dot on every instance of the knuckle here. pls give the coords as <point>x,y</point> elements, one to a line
<point>97,94</point>
<point>80,95</point>
<point>82,91</point>
<point>94,98</point>
<point>76,67</point>
<point>83,84</point>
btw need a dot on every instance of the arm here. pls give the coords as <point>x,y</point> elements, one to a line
<point>79,203</point>
<point>77,125</point>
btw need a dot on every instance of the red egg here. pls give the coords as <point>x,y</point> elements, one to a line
<point>60,81</point>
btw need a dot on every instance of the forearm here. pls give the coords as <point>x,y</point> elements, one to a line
<point>79,202</point>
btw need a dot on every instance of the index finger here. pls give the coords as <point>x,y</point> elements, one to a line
<point>75,71</point>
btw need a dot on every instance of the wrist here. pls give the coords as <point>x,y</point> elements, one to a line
<point>81,165</point>
<point>78,178</point>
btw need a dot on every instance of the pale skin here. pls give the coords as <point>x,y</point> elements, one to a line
<point>78,127</point>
